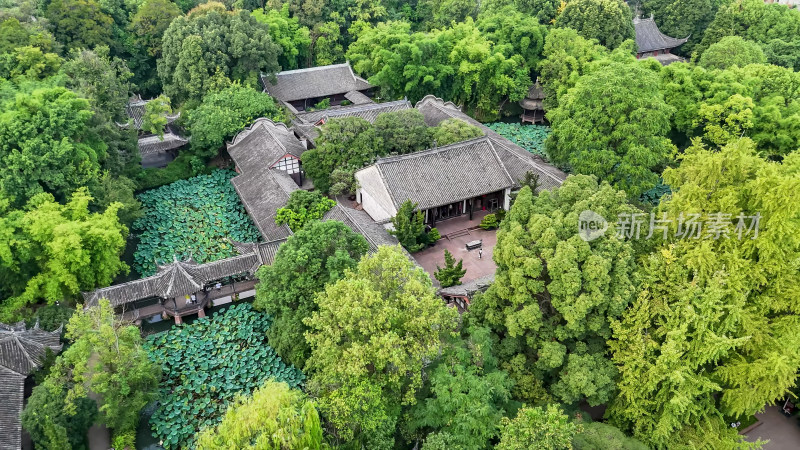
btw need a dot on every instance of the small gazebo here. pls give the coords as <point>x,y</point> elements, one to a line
<point>533,110</point>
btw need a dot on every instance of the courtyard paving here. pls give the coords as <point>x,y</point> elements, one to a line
<point>476,264</point>
<point>783,432</point>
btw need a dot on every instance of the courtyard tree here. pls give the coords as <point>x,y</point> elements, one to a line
<point>314,256</point>
<point>607,21</point>
<point>302,208</point>
<point>709,334</point>
<point>402,132</point>
<point>452,272</point>
<point>51,252</point>
<point>274,416</point>
<point>384,303</point>
<point>614,125</point>
<point>49,421</point>
<point>555,294</point>
<point>155,115</point>
<point>409,227</point>
<point>197,47</point>
<point>730,51</point>
<point>454,130</point>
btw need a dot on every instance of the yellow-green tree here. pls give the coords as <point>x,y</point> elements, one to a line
<point>275,417</point>
<point>713,331</point>
<point>375,331</point>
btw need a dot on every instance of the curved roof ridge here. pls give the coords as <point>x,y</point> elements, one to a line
<point>430,151</point>
<point>433,98</point>
<point>261,121</point>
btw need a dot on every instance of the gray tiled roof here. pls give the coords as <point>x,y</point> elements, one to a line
<point>263,143</point>
<point>135,110</point>
<point>516,159</point>
<point>155,144</point>
<point>469,288</point>
<point>314,82</point>
<point>361,223</point>
<point>444,175</point>
<point>187,277</point>
<point>649,38</point>
<point>262,194</point>
<point>368,112</point>
<point>357,98</point>
<point>21,352</point>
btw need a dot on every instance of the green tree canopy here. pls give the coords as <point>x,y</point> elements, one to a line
<point>302,208</point>
<point>607,21</point>
<point>293,38</point>
<point>613,125</point>
<point>224,113</point>
<point>566,57</point>
<point>467,397</point>
<point>603,436</point>
<point>197,47</point>
<point>274,417</point>
<point>43,145</point>
<point>79,23</point>
<point>555,294</point>
<point>314,256</point>
<point>374,332</point>
<point>709,334</point>
<point>53,252</point>
<point>408,226</point>
<point>402,131</point>
<point>51,423</point>
<point>519,33</point>
<point>454,130</point>
<point>452,272</point>
<point>732,51</point>
<point>538,428</point>
<point>150,23</point>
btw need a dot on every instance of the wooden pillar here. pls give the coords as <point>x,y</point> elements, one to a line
<point>178,320</point>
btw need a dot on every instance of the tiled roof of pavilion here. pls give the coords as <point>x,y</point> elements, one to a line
<point>649,38</point>
<point>135,110</point>
<point>516,159</point>
<point>21,352</point>
<point>445,174</point>
<point>314,82</point>
<point>360,222</point>
<point>187,277</point>
<point>156,144</point>
<point>533,100</point>
<point>368,112</point>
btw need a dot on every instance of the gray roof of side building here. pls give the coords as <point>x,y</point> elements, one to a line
<point>314,82</point>
<point>469,288</point>
<point>157,144</point>
<point>368,111</point>
<point>135,110</point>
<point>187,277</point>
<point>649,38</point>
<point>443,175</point>
<point>516,159</point>
<point>360,222</point>
<point>21,352</point>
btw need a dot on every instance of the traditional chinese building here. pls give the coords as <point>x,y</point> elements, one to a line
<point>461,295</point>
<point>532,107</point>
<point>301,89</point>
<point>307,123</point>
<point>155,150</point>
<point>22,351</point>
<point>652,43</point>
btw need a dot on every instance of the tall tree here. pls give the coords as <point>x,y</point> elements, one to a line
<point>613,125</point>
<point>198,46</point>
<point>520,33</point>
<point>375,331</point>
<point>711,332</point>
<point>402,132</point>
<point>566,57</point>
<point>52,252</point>
<point>53,425</point>
<point>607,21</point>
<point>452,272</point>
<point>538,428</point>
<point>409,227</point>
<point>106,358</point>
<point>314,256</point>
<point>303,208</point>
<point>275,416</point>
<point>730,51</point>
<point>150,23</point>
<point>79,23</point>
<point>43,145</point>
<point>556,294</point>
<point>294,39</point>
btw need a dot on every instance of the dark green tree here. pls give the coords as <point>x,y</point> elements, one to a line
<point>150,23</point>
<point>409,227</point>
<point>607,21</point>
<point>314,256</point>
<point>79,23</point>
<point>199,47</point>
<point>402,132</point>
<point>454,130</point>
<point>452,272</point>
<point>293,38</point>
<point>51,423</point>
<point>303,208</point>
<point>519,33</point>
<point>730,51</point>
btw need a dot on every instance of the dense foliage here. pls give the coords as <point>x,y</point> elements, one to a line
<point>206,365</point>
<point>451,273</point>
<point>302,208</point>
<point>196,218</point>
<point>408,226</point>
<point>274,417</point>
<point>51,424</point>
<point>607,21</point>
<point>313,257</point>
<point>538,428</point>
<point>529,137</point>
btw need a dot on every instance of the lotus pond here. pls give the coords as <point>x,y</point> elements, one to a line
<point>196,217</point>
<point>529,137</point>
<point>206,365</point>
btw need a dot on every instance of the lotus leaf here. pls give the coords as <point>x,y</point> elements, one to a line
<point>529,137</point>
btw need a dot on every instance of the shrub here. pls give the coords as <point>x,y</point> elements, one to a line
<point>489,222</point>
<point>303,207</point>
<point>452,272</point>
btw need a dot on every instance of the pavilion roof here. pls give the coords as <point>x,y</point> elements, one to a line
<point>158,144</point>
<point>135,110</point>
<point>314,82</point>
<point>649,38</point>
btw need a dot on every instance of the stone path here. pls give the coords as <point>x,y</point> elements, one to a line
<point>783,432</point>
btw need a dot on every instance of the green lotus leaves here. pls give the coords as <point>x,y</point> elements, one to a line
<point>529,137</point>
